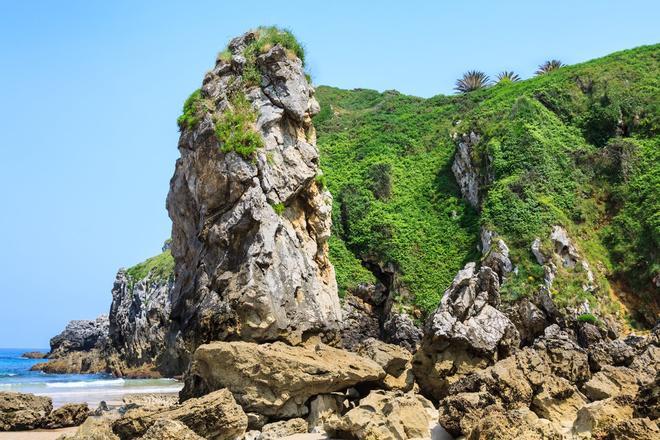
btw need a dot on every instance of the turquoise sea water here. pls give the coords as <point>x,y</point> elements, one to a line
<point>15,375</point>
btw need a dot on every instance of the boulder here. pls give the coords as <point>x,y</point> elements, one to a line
<point>466,332</point>
<point>93,429</point>
<point>611,382</point>
<point>75,362</point>
<point>215,416</point>
<point>559,402</point>
<point>19,411</point>
<point>647,403</point>
<point>395,360</point>
<point>34,355</point>
<point>495,254</point>
<point>165,429</point>
<point>399,329</point>
<point>520,424</point>
<point>322,409</point>
<point>634,429</point>
<point>276,379</point>
<point>71,414</point>
<point>597,418</point>
<point>566,358</point>
<point>283,428</point>
<point>387,415</point>
<point>250,232</point>
<point>460,413</point>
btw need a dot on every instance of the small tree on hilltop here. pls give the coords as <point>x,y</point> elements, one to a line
<point>472,80</point>
<point>549,66</point>
<point>507,76</point>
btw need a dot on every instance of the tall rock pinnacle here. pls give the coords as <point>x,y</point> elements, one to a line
<point>250,221</point>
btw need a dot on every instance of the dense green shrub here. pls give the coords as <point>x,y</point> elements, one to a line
<point>191,111</point>
<point>161,267</point>
<point>588,317</point>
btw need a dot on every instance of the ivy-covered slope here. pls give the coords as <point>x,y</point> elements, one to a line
<point>576,147</point>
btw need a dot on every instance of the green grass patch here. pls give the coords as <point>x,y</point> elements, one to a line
<point>234,128</point>
<point>160,268</point>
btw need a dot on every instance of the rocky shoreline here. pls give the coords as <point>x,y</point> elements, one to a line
<point>251,319</point>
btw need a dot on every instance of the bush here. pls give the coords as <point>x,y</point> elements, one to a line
<point>192,108</point>
<point>588,317</point>
<point>278,208</point>
<point>234,128</point>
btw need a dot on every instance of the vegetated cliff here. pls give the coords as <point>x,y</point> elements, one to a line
<point>250,218</point>
<point>131,340</point>
<point>417,181</point>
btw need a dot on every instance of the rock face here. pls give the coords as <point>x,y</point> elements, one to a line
<point>20,411</point>
<point>465,332</point>
<point>249,234</point>
<point>215,416</point>
<point>468,176</point>
<point>165,429</point>
<point>139,319</point>
<point>276,379</point>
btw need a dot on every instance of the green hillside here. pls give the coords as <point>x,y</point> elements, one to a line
<point>577,147</point>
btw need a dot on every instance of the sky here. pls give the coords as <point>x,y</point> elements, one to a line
<point>90,92</point>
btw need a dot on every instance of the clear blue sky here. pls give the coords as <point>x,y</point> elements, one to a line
<point>90,92</point>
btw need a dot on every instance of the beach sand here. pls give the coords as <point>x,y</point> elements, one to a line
<point>39,434</point>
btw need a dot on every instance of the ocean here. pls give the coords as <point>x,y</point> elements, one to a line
<point>15,375</point>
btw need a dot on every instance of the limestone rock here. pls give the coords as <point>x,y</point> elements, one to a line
<point>495,254</point>
<point>567,359</point>
<point>647,402</point>
<point>165,429</point>
<point>387,415</point>
<point>249,235</point>
<point>75,362</point>
<point>284,428</point>
<point>635,429</point>
<point>276,379</point>
<point>215,416</point>
<point>34,355</point>
<point>72,414</point>
<point>611,382</point>
<point>521,424</point>
<point>80,335</point>
<point>467,175</point>
<point>597,418</point>
<point>399,329</point>
<point>19,411</point>
<point>360,321</point>
<point>139,318</point>
<point>395,360</point>
<point>460,413</point>
<point>93,429</point>
<point>559,402</point>
<point>322,409</point>
<point>466,331</point>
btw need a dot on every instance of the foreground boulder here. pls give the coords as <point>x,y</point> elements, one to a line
<point>93,429</point>
<point>215,416</point>
<point>386,415</point>
<point>250,228</point>
<point>19,411</point>
<point>72,414</point>
<point>394,359</point>
<point>465,333</point>
<point>165,429</point>
<point>276,379</point>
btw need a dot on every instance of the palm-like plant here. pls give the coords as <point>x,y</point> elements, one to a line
<point>472,80</point>
<point>549,66</point>
<point>507,76</point>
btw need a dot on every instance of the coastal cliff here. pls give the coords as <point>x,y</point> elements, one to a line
<point>474,287</point>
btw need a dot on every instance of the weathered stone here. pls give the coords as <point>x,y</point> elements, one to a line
<point>559,402</point>
<point>244,270</point>
<point>284,428</point>
<point>72,414</point>
<point>399,329</point>
<point>611,382</point>
<point>360,321</point>
<point>215,416</point>
<point>165,429</point>
<point>75,362</point>
<point>597,418</point>
<point>34,355</point>
<point>276,379</point>
<point>520,424</point>
<point>495,254</point>
<point>387,415</point>
<point>566,358</point>
<point>467,175</point>
<point>459,413</point>
<point>395,360</point>
<point>588,334</point>
<point>635,429</point>
<point>647,402</point>
<point>322,408</point>
<point>19,411</point>
<point>93,429</point>
<point>80,335</point>
<point>647,364</point>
